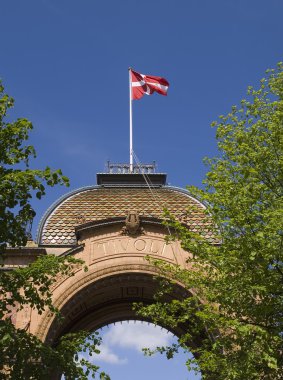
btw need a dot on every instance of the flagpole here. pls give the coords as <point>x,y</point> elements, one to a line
<point>131,121</point>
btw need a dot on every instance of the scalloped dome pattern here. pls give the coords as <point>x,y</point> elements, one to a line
<point>98,203</point>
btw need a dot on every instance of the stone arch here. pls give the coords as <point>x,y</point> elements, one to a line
<point>118,274</point>
<point>91,224</point>
<point>113,293</point>
<point>116,294</point>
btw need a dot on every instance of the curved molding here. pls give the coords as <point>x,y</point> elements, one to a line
<point>80,284</point>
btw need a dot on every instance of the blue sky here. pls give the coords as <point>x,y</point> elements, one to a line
<point>122,358</point>
<point>66,64</point>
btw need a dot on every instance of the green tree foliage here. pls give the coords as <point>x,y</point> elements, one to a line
<point>18,184</point>
<point>236,305</point>
<point>22,355</point>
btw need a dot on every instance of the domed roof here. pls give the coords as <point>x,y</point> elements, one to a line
<point>95,203</point>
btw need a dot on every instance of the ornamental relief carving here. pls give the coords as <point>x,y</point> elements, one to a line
<point>132,225</point>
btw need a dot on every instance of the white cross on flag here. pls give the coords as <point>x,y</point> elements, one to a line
<point>147,84</point>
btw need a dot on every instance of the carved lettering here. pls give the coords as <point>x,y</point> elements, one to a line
<point>155,247</point>
<point>97,249</point>
<point>110,247</point>
<point>168,251</point>
<point>140,244</point>
<point>124,244</point>
<point>130,245</point>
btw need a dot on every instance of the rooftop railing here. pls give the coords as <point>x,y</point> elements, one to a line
<point>116,168</point>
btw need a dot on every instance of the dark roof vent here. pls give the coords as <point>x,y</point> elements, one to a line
<point>131,179</point>
<point>125,175</point>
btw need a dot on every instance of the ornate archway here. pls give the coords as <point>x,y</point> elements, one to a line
<point>112,227</point>
<point>118,275</point>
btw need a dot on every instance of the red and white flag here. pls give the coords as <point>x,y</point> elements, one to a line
<point>147,84</point>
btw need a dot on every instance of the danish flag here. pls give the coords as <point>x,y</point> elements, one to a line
<point>147,84</point>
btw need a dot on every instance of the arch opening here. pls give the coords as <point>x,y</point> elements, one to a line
<point>121,355</point>
<point>108,301</point>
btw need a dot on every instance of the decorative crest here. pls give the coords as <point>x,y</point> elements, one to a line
<point>132,226</point>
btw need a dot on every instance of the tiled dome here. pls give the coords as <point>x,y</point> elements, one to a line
<point>96,203</point>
